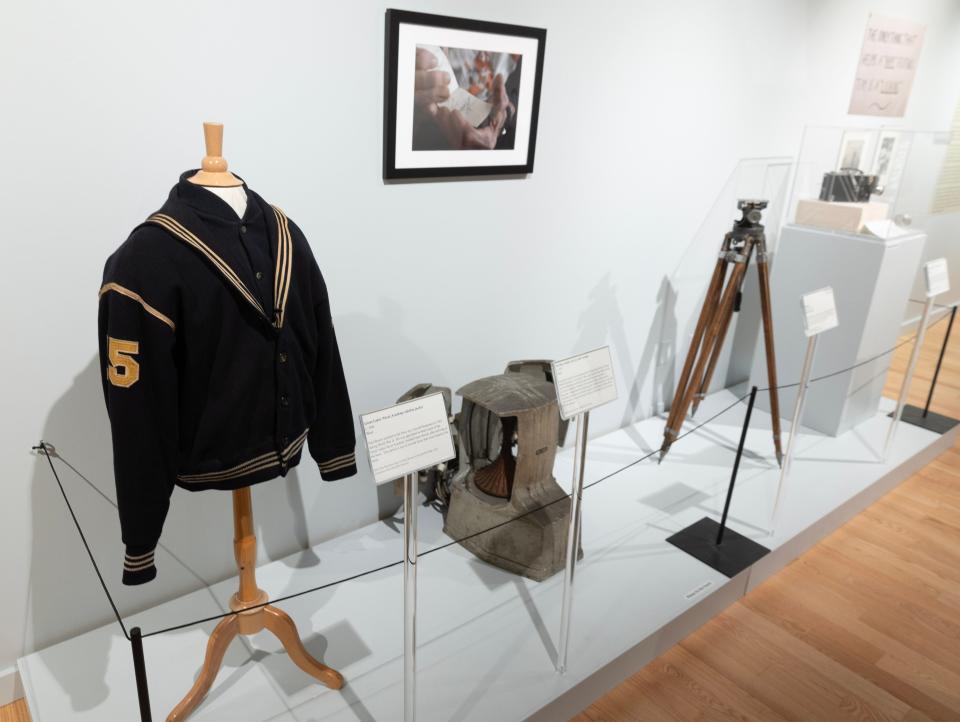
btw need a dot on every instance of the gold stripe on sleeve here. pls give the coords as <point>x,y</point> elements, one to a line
<point>139,299</point>
<point>337,459</point>
<point>337,467</point>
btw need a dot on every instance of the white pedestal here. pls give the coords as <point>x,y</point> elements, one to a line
<point>871,279</point>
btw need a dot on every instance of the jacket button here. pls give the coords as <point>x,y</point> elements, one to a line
<point>284,401</point>
<point>243,229</point>
<point>259,275</point>
<point>285,440</point>
<point>283,357</point>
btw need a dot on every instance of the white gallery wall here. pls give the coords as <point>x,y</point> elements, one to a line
<point>647,108</point>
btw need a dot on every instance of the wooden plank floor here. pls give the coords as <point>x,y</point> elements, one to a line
<point>16,712</point>
<point>865,626</point>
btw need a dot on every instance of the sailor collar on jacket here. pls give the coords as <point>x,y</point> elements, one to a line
<point>182,217</point>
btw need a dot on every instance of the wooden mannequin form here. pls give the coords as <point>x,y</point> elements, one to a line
<point>213,169</point>
<point>247,620</point>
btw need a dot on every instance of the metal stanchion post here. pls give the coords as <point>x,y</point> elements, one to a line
<point>410,597</point>
<point>573,538</point>
<point>911,367</point>
<point>140,674</point>
<point>943,351</point>
<point>794,426</point>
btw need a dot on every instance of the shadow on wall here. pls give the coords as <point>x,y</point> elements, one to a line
<point>393,364</point>
<point>602,323</point>
<point>659,353</point>
<point>65,597</point>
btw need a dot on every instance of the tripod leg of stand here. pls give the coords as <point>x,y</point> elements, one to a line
<point>701,390</point>
<point>726,308</point>
<point>763,275</point>
<point>703,323</point>
<point>717,347</point>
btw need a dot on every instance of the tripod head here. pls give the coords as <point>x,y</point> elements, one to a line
<point>751,209</point>
<point>748,225</point>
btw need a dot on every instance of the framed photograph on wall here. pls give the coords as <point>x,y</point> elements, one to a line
<point>855,147</point>
<point>461,97</point>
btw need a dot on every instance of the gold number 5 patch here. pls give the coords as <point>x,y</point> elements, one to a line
<point>124,370</point>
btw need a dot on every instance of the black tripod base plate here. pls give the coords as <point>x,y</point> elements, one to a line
<point>734,554</point>
<point>937,423</point>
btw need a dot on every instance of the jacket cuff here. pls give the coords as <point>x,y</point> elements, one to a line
<point>338,467</point>
<point>138,565</point>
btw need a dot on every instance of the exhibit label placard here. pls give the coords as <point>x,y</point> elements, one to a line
<point>887,66</point>
<point>407,437</point>
<point>937,276</point>
<point>819,311</point>
<point>584,382</point>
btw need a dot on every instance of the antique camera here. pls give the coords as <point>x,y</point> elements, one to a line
<point>849,185</point>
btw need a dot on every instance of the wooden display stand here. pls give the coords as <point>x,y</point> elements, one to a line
<point>252,615</point>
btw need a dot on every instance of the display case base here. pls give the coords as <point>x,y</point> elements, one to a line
<point>734,554</point>
<point>487,637</point>
<point>937,423</point>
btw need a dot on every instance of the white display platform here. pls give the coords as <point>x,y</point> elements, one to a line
<point>487,638</point>
<point>871,280</point>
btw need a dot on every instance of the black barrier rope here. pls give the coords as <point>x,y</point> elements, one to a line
<point>43,447</point>
<point>112,503</point>
<point>358,575</point>
<point>908,340</point>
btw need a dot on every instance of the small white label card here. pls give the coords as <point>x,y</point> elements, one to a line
<point>408,437</point>
<point>584,382</point>
<point>819,311</point>
<point>937,276</point>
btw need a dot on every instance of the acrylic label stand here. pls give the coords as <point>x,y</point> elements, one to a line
<point>819,315</point>
<point>937,281</point>
<point>402,440</point>
<point>935,271</point>
<point>583,382</point>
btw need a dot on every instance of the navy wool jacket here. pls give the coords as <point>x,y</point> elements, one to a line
<point>219,360</point>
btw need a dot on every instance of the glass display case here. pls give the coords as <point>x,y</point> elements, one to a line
<point>877,182</point>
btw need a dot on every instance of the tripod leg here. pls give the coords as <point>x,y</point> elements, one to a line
<point>725,308</point>
<point>701,389</point>
<point>717,348</point>
<point>703,322</point>
<point>763,274</point>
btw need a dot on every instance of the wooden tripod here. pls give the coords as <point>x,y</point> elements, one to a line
<point>739,245</point>
<point>249,618</point>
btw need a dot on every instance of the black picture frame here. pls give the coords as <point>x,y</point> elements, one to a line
<point>396,18</point>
